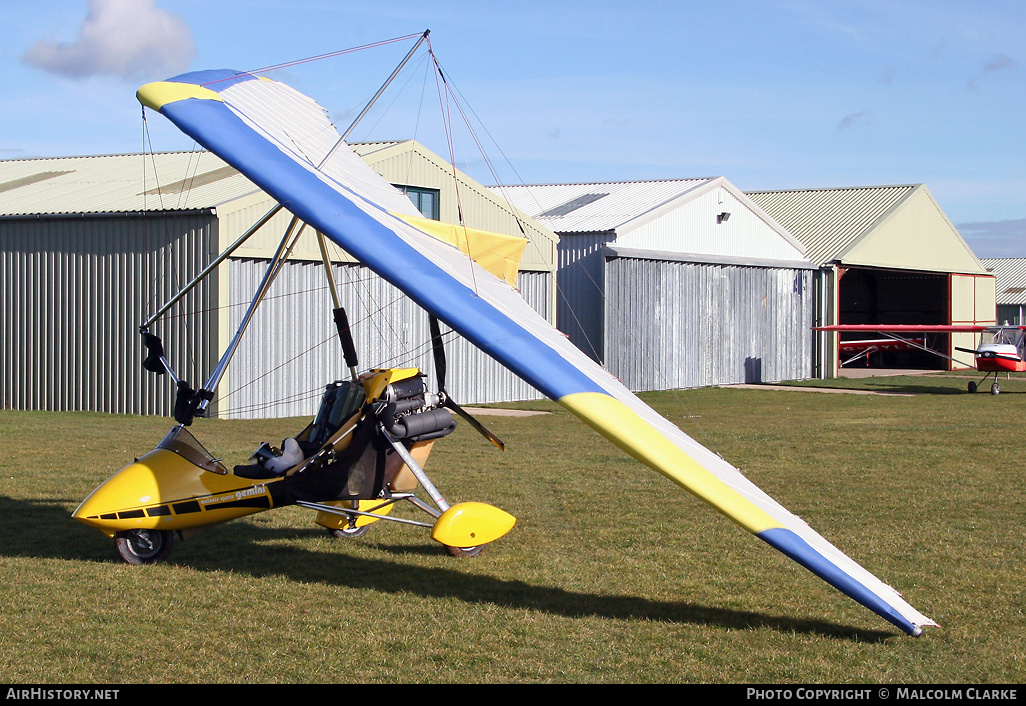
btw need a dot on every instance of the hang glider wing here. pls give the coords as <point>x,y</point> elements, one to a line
<point>280,140</point>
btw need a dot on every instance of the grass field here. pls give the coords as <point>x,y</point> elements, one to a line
<point>612,573</point>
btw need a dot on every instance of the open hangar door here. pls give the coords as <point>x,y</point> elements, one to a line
<point>877,296</point>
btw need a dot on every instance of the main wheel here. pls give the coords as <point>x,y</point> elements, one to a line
<point>141,546</point>
<point>972,387</point>
<point>466,552</point>
<point>994,389</point>
<point>350,532</point>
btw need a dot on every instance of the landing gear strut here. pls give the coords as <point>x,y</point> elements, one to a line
<point>995,389</point>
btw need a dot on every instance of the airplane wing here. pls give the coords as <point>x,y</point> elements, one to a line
<point>895,333</point>
<point>905,328</point>
<point>284,143</point>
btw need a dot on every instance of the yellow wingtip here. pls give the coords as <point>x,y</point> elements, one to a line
<point>159,93</point>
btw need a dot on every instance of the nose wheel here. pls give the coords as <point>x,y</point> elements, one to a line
<point>142,546</point>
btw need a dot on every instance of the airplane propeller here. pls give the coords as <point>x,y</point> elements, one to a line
<point>989,354</point>
<point>446,400</point>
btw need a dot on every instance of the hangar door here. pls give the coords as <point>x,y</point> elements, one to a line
<point>877,296</point>
<point>972,302</point>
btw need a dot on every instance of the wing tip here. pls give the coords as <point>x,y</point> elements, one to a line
<point>890,608</point>
<point>159,93</point>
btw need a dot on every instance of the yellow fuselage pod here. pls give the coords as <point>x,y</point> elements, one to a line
<point>162,490</point>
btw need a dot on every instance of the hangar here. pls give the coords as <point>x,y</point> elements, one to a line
<point>1010,288</point>
<point>90,247</point>
<point>888,255</point>
<point>677,283</point>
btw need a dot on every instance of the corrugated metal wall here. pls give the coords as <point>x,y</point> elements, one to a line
<point>291,350</point>
<point>579,297</point>
<point>676,324</point>
<point>73,293</point>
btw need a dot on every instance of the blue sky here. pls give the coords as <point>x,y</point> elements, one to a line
<point>777,94</point>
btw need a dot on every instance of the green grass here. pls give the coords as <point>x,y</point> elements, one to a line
<point>612,574</point>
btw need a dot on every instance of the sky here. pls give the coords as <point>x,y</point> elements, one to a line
<point>771,94</point>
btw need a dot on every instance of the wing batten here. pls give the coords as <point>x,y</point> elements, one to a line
<point>489,313</point>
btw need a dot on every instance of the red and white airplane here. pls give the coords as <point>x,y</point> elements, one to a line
<point>1002,349</point>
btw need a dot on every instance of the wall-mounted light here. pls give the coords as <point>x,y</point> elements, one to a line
<point>722,217</point>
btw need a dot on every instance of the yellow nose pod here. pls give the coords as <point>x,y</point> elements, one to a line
<point>471,524</point>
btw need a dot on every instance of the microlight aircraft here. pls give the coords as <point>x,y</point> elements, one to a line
<point>1000,348</point>
<point>283,142</point>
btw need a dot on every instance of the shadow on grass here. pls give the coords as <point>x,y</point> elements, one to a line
<point>44,529</point>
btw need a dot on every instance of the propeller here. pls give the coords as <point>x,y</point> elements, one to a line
<point>989,354</point>
<point>446,401</point>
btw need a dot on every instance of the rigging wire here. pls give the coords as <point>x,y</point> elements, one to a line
<point>443,101</point>
<point>460,101</point>
<point>168,233</point>
<point>447,97</point>
<point>320,57</point>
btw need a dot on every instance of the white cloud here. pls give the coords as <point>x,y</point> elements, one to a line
<point>126,38</point>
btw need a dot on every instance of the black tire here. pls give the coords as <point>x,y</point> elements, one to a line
<point>142,546</point>
<point>350,532</point>
<point>466,552</point>
<point>972,387</point>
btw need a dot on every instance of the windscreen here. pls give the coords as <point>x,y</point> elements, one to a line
<point>185,445</point>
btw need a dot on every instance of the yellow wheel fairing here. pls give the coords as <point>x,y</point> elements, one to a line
<point>162,490</point>
<point>471,525</point>
<point>621,425</point>
<point>338,522</point>
<point>158,94</point>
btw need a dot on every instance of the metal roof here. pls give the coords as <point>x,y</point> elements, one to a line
<point>829,221</point>
<point>1010,279</point>
<point>126,183</point>
<point>595,208</point>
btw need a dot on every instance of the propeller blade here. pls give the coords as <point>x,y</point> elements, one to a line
<point>472,421</point>
<point>1013,358</point>
<point>439,352</point>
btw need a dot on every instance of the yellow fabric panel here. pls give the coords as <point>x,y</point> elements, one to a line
<point>498,253</point>
<point>621,425</point>
<point>158,94</point>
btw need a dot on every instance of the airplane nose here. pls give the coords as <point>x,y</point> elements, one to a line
<point>120,497</point>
